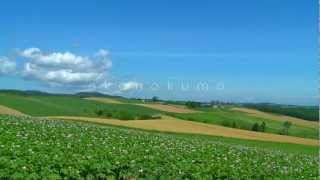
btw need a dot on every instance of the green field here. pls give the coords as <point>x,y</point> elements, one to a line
<point>310,113</point>
<point>276,146</point>
<point>53,105</point>
<point>241,120</point>
<point>43,149</point>
<point>63,105</point>
<point>32,148</point>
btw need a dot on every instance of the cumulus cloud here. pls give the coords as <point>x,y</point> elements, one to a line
<point>7,65</point>
<point>68,70</point>
<point>64,68</point>
<point>30,52</point>
<point>131,85</point>
<point>102,53</point>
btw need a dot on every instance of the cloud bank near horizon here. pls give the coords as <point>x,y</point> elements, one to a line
<point>7,65</point>
<point>66,69</point>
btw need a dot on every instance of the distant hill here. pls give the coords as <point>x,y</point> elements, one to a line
<point>310,113</point>
<point>95,94</point>
<point>41,93</point>
<point>19,92</point>
<point>92,94</point>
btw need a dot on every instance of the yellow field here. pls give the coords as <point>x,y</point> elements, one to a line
<point>170,124</point>
<point>281,118</point>
<point>169,108</point>
<point>6,110</point>
<point>104,100</point>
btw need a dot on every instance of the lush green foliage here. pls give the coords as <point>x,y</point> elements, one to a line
<point>155,99</point>
<point>39,149</point>
<point>192,104</point>
<point>70,106</point>
<point>308,113</point>
<point>259,127</point>
<point>229,118</point>
<point>125,115</point>
<point>284,147</point>
<point>285,128</point>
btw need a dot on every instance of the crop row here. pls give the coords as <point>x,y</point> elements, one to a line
<point>43,149</point>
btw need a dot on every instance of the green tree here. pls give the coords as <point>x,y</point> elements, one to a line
<point>255,127</point>
<point>99,112</point>
<point>192,104</point>
<point>155,99</point>
<point>234,124</point>
<point>285,128</point>
<point>263,127</point>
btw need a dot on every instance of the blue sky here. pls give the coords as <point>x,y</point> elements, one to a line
<point>259,51</point>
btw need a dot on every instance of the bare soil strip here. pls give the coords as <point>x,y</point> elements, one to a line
<point>169,108</point>
<point>282,118</point>
<point>170,124</point>
<point>104,100</point>
<point>161,107</point>
<point>6,110</point>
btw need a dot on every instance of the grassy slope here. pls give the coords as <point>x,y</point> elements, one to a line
<point>284,147</point>
<point>63,105</point>
<point>74,106</point>
<point>54,150</point>
<point>310,113</point>
<point>244,121</point>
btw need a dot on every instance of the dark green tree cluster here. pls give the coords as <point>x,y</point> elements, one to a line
<point>259,127</point>
<point>124,115</point>
<point>310,113</point>
<point>193,104</point>
<point>155,99</point>
<point>285,128</point>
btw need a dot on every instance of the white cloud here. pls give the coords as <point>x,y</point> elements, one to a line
<point>30,52</point>
<point>64,68</point>
<point>102,53</point>
<point>131,85</point>
<point>69,70</point>
<point>7,65</point>
<point>57,59</point>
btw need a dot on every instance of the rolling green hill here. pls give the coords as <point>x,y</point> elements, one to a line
<point>62,105</point>
<point>310,113</point>
<point>42,104</point>
<point>229,118</point>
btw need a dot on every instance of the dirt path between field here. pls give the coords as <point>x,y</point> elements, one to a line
<point>104,100</point>
<point>169,108</point>
<point>7,110</point>
<point>161,107</point>
<point>170,124</point>
<point>282,118</point>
